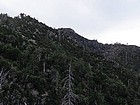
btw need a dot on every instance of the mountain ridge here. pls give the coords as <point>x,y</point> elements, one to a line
<point>38,62</point>
<point>109,51</point>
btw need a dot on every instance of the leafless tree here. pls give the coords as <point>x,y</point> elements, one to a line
<point>69,97</point>
<point>3,75</point>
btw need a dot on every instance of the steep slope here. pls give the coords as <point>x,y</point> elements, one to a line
<point>125,55</point>
<point>45,66</point>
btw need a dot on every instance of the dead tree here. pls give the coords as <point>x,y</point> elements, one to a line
<point>69,97</point>
<point>3,75</point>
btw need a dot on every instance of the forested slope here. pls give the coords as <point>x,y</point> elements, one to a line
<point>40,65</point>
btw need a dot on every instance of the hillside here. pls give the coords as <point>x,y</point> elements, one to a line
<point>125,55</point>
<point>45,66</point>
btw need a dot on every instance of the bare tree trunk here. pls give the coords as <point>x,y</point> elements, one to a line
<point>70,96</point>
<point>3,77</point>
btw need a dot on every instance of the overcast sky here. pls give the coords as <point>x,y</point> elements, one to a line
<point>108,21</point>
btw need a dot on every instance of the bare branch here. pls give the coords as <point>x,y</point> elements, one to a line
<point>70,97</point>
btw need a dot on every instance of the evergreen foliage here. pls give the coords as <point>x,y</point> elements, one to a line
<point>35,59</point>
